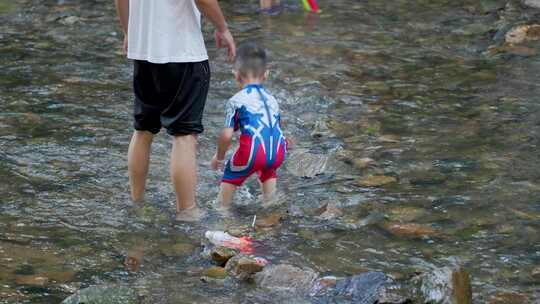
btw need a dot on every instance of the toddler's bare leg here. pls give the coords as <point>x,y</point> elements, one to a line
<point>269,188</point>
<point>138,161</point>
<point>265,4</point>
<point>226,195</point>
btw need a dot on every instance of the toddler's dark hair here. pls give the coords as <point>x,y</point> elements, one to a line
<point>250,59</point>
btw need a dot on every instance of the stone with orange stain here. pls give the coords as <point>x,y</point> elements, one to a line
<point>34,280</point>
<point>409,229</point>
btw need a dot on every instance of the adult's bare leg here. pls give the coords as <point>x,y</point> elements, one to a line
<point>184,176</point>
<point>138,162</point>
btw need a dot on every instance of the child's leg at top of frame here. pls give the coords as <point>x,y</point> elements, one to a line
<point>226,195</point>
<point>265,4</point>
<point>269,188</point>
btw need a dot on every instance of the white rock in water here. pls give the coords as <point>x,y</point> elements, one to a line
<point>532,3</point>
<point>305,164</point>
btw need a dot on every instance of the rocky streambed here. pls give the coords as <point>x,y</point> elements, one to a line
<point>414,169</point>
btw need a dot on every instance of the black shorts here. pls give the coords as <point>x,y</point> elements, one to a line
<point>170,95</point>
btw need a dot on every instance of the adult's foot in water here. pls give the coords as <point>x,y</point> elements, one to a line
<point>193,214</point>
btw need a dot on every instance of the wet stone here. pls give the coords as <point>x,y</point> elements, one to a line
<point>409,229</point>
<point>35,280</point>
<point>449,284</point>
<point>532,3</point>
<point>221,254</point>
<point>103,295</point>
<point>305,164</point>
<point>406,214</point>
<point>331,211</point>
<point>488,6</point>
<point>179,249</point>
<point>269,221</point>
<point>535,273</point>
<point>509,298</point>
<point>215,272</point>
<point>523,33</point>
<point>286,278</point>
<point>426,178</point>
<point>362,163</point>
<point>376,180</point>
<point>70,20</point>
<point>243,267</point>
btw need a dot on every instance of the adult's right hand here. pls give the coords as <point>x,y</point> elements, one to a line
<point>225,39</point>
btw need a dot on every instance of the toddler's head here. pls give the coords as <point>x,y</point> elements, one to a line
<point>250,64</point>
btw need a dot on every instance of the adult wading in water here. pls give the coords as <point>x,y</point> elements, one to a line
<point>170,81</point>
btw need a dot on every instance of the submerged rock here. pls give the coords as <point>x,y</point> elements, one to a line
<point>406,213</point>
<point>305,164</point>
<point>221,254</point>
<point>285,277</point>
<point>376,180</point>
<point>243,267</point>
<point>269,221</point>
<point>426,178</point>
<point>535,273</point>
<point>366,288</point>
<point>330,211</point>
<point>409,229</point>
<point>509,298</point>
<point>362,163</point>
<point>523,33</point>
<point>215,272</point>
<point>34,280</point>
<point>103,295</point>
<point>532,3</point>
<point>445,285</point>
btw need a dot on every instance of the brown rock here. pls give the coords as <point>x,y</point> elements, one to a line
<point>376,180</point>
<point>523,33</point>
<point>215,272</point>
<point>35,280</point>
<point>222,254</point>
<point>269,221</point>
<point>409,229</point>
<point>331,212</point>
<point>536,272</point>
<point>243,267</point>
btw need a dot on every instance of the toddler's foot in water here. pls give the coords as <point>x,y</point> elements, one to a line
<point>193,214</point>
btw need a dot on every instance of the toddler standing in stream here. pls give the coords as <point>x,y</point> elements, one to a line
<point>255,112</point>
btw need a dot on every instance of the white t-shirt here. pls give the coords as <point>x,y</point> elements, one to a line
<point>162,31</point>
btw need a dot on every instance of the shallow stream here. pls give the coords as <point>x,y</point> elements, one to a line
<point>405,89</point>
